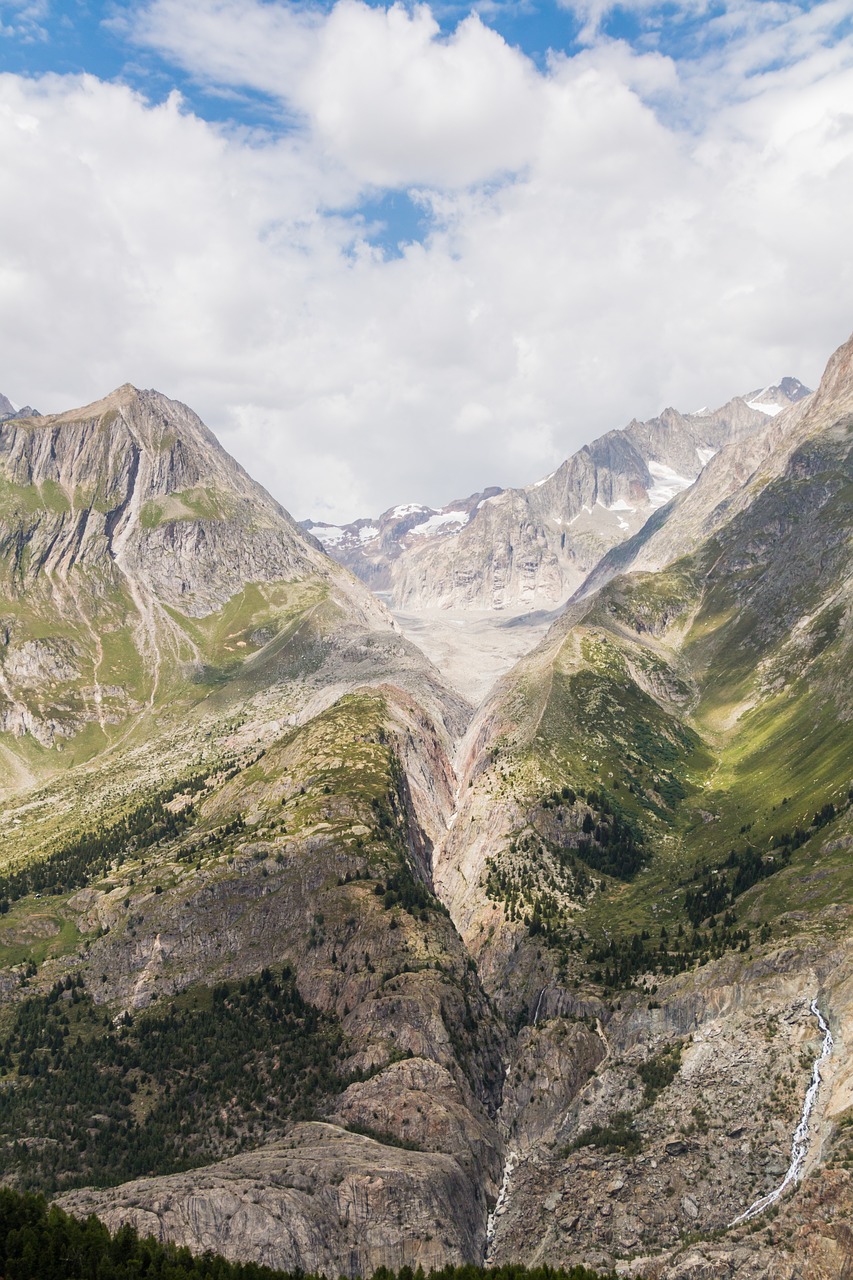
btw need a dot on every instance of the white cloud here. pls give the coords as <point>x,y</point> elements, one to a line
<point>607,235</point>
<point>24,19</point>
<point>383,93</point>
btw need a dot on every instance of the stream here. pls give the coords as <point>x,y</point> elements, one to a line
<point>801,1138</point>
<point>510,1165</point>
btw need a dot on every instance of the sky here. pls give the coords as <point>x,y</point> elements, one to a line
<point>396,253</point>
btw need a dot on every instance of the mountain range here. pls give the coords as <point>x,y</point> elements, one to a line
<point>518,550</point>
<point>312,955</point>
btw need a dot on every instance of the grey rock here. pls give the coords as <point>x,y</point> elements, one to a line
<point>323,1201</point>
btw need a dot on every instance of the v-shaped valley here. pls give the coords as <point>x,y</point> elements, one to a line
<point>472,888</point>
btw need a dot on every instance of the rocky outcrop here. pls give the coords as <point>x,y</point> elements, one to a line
<point>324,1201</point>
<point>419,1103</point>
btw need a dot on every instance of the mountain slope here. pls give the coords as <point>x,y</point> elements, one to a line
<point>218,934</point>
<point>260,956</point>
<point>655,832</point>
<point>140,564</point>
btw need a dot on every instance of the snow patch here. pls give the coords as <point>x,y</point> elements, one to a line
<point>770,409</point>
<point>668,484</point>
<point>538,483</point>
<point>705,455</point>
<point>367,533</point>
<point>409,509</point>
<point>621,505</point>
<point>440,522</point>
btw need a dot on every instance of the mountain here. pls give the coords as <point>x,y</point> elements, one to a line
<point>225,772</point>
<point>772,400</point>
<point>654,834</point>
<point>528,549</point>
<point>369,547</point>
<point>306,960</point>
<point>8,410</point>
<point>141,565</point>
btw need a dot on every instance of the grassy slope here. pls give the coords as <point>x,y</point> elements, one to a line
<point>708,703</point>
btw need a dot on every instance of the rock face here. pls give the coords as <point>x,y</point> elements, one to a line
<point>709,1142</point>
<point>325,1201</point>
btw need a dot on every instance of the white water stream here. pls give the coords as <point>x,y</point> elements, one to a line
<point>510,1165</point>
<point>801,1139</point>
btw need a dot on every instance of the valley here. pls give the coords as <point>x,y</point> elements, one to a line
<point>488,923</point>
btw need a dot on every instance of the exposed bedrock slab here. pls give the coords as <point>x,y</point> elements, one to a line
<point>323,1200</point>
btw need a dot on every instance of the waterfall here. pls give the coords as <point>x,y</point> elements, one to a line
<point>801,1138</point>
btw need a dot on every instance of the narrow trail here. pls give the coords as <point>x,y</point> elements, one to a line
<point>802,1138</point>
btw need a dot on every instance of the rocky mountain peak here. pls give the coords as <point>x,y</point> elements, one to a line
<point>122,521</point>
<point>8,410</point>
<point>772,400</point>
<point>793,389</point>
<point>170,443</point>
<point>837,381</point>
<point>121,477</point>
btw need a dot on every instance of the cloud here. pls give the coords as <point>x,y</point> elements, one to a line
<point>382,92</point>
<point>700,25</point>
<point>24,20</point>
<point>610,233</point>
